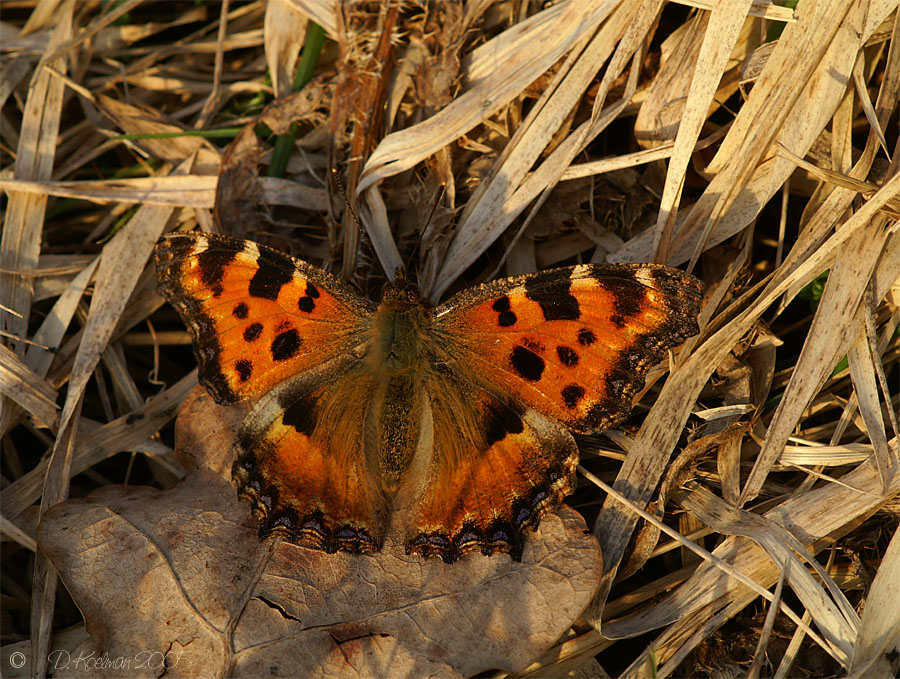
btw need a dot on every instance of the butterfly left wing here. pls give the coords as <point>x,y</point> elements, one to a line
<point>257,315</point>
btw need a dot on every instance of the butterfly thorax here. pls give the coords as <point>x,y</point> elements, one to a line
<point>399,329</point>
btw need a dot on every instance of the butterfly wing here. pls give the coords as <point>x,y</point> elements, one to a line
<point>517,363</point>
<point>572,343</point>
<point>257,316</point>
<point>266,324</point>
<point>496,467</point>
<point>302,460</point>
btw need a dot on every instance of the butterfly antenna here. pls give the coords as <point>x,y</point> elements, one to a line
<point>434,205</point>
<point>437,201</point>
<point>337,180</point>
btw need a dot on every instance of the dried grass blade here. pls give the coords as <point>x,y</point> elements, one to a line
<point>819,96</point>
<point>197,191</point>
<point>20,243</point>
<point>834,615</point>
<point>866,102</point>
<point>284,28</point>
<point>37,357</point>
<point>760,8</point>
<point>378,227</point>
<point>825,456</point>
<point>27,389</point>
<point>865,386</point>
<point>182,191</point>
<point>53,329</point>
<point>829,335</point>
<point>11,530</point>
<point>812,516</point>
<point>323,12</point>
<point>497,72</point>
<point>722,32</point>
<point>879,633</point>
<point>762,644</point>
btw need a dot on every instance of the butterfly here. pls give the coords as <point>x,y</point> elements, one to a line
<point>451,422</point>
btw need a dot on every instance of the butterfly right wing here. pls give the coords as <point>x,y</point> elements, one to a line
<point>497,466</point>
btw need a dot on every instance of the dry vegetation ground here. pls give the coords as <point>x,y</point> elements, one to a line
<point>756,145</point>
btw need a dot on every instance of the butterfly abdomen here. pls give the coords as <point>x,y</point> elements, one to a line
<point>395,425</point>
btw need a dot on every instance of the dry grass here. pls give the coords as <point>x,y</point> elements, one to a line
<point>492,139</point>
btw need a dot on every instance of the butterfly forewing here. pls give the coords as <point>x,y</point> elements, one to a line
<point>257,315</point>
<point>572,343</point>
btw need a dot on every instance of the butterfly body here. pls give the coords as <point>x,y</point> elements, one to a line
<point>449,424</point>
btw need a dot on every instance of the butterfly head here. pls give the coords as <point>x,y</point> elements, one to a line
<point>401,294</point>
<point>400,322</point>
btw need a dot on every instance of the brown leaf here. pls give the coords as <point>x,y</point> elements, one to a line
<point>181,572</point>
<point>238,192</point>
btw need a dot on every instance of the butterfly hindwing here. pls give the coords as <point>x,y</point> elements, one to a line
<point>496,467</point>
<point>257,315</point>
<point>574,343</point>
<point>302,461</point>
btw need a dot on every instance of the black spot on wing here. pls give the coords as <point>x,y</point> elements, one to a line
<point>629,297</point>
<point>308,302</point>
<point>586,337</point>
<point>211,264</point>
<point>505,316</point>
<point>567,356</point>
<point>501,420</point>
<point>244,369</point>
<point>273,273</point>
<point>252,332</point>
<point>286,344</point>
<point>572,395</point>
<point>551,292</point>
<point>526,363</point>
<point>240,311</point>
<point>300,414</point>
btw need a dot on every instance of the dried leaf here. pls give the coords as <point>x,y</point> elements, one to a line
<point>182,572</point>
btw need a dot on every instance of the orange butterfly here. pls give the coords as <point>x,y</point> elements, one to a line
<point>451,420</point>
